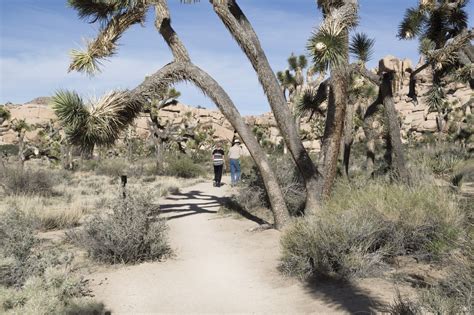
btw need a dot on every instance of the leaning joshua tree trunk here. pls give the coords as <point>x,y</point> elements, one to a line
<point>333,130</point>
<point>242,31</point>
<point>183,70</point>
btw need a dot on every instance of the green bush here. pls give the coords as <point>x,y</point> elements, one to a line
<point>183,166</point>
<point>127,234</point>
<point>364,225</point>
<point>18,181</point>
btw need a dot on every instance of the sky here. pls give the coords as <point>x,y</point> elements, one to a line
<point>37,35</point>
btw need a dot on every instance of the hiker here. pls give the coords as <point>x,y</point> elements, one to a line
<point>218,161</point>
<point>235,153</point>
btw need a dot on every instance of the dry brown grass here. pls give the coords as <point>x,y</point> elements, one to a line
<point>82,194</point>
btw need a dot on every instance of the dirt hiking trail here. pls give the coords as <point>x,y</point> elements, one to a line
<point>221,267</point>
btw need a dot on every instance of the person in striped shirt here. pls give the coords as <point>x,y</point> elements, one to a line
<point>218,162</point>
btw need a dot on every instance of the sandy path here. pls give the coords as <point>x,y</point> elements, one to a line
<point>220,267</point>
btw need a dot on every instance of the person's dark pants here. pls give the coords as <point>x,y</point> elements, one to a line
<point>218,174</point>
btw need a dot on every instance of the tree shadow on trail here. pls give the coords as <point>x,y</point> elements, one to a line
<point>196,202</point>
<point>344,296</point>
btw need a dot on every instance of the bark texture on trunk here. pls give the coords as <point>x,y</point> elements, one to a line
<point>348,137</point>
<point>370,135</point>
<point>333,130</point>
<point>156,138</point>
<point>238,25</point>
<point>393,126</point>
<point>185,71</point>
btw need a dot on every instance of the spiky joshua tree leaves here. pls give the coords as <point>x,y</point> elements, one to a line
<point>115,17</point>
<point>329,47</point>
<point>98,122</point>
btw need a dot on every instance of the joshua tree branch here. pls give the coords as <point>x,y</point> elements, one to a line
<point>163,24</point>
<point>186,71</point>
<point>242,31</point>
<point>183,70</point>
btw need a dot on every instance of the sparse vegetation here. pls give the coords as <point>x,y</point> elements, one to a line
<point>34,281</point>
<point>18,181</point>
<point>125,233</point>
<point>365,224</point>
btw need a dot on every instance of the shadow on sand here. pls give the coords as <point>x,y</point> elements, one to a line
<point>196,202</point>
<point>344,296</point>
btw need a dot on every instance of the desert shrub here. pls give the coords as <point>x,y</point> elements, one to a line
<point>112,167</point>
<point>56,291</point>
<point>16,235</point>
<point>127,234</point>
<point>4,113</point>
<point>441,160</point>
<point>9,150</point>
<point>340,245</point>
<point>463,171</point>
<point>452,295</point>
<point>252,193</point>
<point>183,166</point>
<point>87,165</point>
<point>18,181</point>
<point>17,244</point>
<point>364,225</point>
<point>403,305</point>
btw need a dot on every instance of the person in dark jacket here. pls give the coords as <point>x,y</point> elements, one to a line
<point>218,162</point>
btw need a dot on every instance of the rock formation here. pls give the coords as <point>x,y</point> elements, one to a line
<point>416,119</point>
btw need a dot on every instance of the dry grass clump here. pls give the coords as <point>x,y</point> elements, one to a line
<point>48,213</point>
<point>441,160</point>
<point>19,181</point>
<point>364,225</point>
<point>34,280</point>
<point>452,295</point>
<point>112,167</point>
<point>127,233</point>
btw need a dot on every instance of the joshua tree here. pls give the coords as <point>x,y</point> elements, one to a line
<point>97,123</point>
<point>157,129</point>
<point>21,127</point>
<point>117,16</point>
<point>435,23</point>
<point>361,47</point>
<point>329,47</point>
<point>242,31</point>
<point>358,92</point>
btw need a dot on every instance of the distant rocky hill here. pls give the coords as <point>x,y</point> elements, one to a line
<point>416,118</point>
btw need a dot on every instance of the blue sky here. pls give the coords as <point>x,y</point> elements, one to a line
<point>36,36</point>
